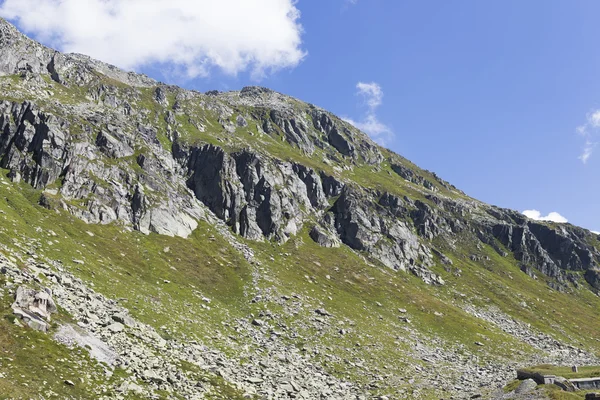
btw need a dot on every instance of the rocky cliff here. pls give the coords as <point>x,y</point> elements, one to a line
<point>126,149</point>
<point>120,149</point>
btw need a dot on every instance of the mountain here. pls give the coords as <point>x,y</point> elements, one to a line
<point>159,242</point>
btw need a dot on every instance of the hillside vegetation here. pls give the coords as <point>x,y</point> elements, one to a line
<point>250,245</point>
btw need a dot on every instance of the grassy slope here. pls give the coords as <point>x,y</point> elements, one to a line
<point>117,260</point>
<point>31,363</point>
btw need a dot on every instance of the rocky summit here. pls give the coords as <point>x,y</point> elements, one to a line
<point>157,242</point>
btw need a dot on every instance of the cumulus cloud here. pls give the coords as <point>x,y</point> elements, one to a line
<point>589,131</point>
<point>259,36</point>
<point>372,95</point>
<point>536,215</point>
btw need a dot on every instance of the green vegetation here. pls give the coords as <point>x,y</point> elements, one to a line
<point>512,386</point>
<point>378,316</point>
<point>31,363</point>
<point>566,372</point>
<point>205,265</point>
<point>116,261</point>
<point>555,393</point>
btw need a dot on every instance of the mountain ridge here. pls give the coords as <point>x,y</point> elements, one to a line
<point>276,182</point>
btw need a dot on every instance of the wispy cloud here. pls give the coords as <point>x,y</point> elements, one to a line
<point>589,131</point>
<point>193,36</point>
<point>588,149</point>
<point>553,216</point>
<point>372,95</point>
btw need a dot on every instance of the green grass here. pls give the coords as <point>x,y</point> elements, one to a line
<point>205,265</point>
<point>115,262</point>
<point>351,294</point>
<point>566,372</point>
<point>555,393</point>
<point>32,363</point>
<point>570,317</point>
<point>363,296</point>
<point>512,386</point>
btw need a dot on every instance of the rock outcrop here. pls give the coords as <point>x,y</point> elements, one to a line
<point>115,147</point>
<point>34,307</point>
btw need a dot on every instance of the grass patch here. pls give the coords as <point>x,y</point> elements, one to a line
<point>566,372</point>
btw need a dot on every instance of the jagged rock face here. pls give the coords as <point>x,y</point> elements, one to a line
<point>365,227</point>
<point>427,220</point>
<point>551,251</point>
<point>116,147</point>
<point>324,237</point>
<point>344,141</point>
<point>526,247</point>
<point>20,56</point>
<point>307,130</point>
<point>295,130</point>
<point>34,143</point>
<point>257,197</point>
<point>566,248</point>
<point>41,149</point>
<point>409,175</point>
<point>332,187</point>
<point>592,276</point>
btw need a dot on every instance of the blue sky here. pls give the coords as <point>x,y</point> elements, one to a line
<point>498,97</point>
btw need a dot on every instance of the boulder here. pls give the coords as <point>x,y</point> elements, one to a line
<point>527,386</point>
<point>323,237</point>
<point>124,319</point>
<point>116,327</point>
<point>34,307</point>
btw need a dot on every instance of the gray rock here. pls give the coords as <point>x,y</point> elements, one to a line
<point>411,176</point>
<point>114,147</point>
<point>116,327</point>
<point>324,238</point>
<point>527,386</point>
<point>241,121</point>
<point>34,307</point>
<point>124,319</point>
<point>153,376</point>
<point>33,320</point>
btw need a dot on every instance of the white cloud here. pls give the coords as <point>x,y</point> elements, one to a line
<point>594,119</point>
<point>589,131</point>
<point>588,149</point>
<point>372,93</point>
<point>370,124</point>
<point>536,215</point>
<point>595,232</point>
<point>232,35</point>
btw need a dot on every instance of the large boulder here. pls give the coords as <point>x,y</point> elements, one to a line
<point>34,307</point>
